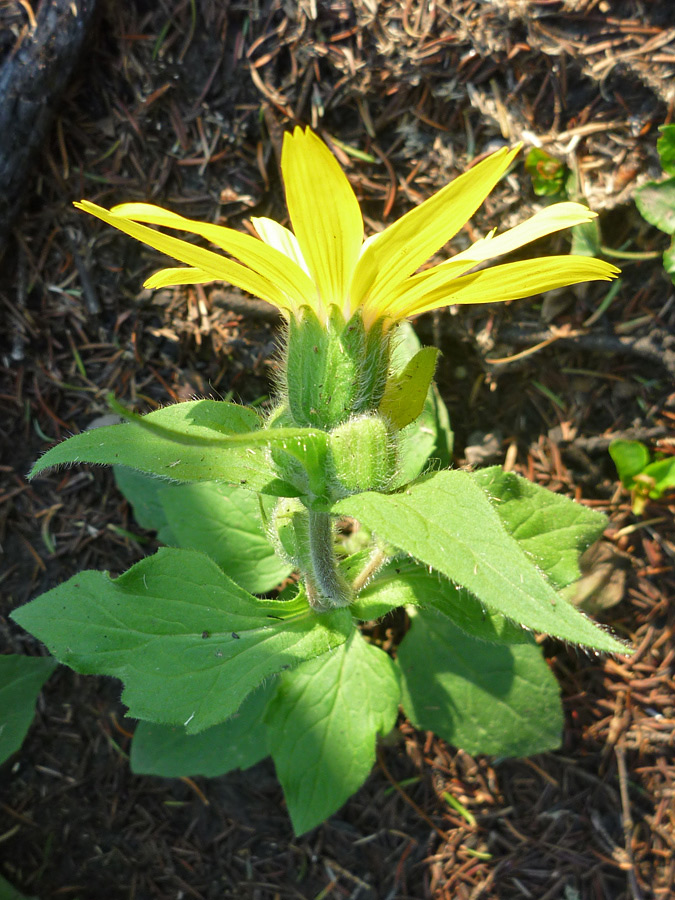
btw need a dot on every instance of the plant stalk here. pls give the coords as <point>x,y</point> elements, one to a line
<point>326,588</point>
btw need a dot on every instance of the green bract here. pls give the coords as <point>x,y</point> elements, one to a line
<point>240,637</point>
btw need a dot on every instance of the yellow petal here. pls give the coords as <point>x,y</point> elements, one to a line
<point>325,215</point>
<point>423,285</point>
<point>267,261</point>
<point>546,221</point>
<point>218,267</point>
<point>172,277</point>
<point>512,281</point>
<point>409,242</point>
<point>280,238</point>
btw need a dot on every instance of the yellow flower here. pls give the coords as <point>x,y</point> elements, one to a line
<point>325,261</point>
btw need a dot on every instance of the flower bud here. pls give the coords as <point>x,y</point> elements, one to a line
<point>333,370</point>
<point>362,456</point>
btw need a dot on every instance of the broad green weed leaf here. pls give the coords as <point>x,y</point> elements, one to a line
<point>446,521</point>
<point>21,679</point>
<point>225,523</point>
<point>130,445</point>
<point>188,643</point>
<point>553,530</point>
<point>478,696</point>
<point>142,492</point>
<point>403,582</point>
<point>630,458</point>
<point>656,202</point>
<point>238,743</point>
<point>323,724</point>
<point>666,148</point>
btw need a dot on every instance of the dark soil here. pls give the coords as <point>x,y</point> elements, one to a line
<point>184,103</point>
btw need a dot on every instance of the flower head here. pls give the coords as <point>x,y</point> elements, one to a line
<point>324,261</point>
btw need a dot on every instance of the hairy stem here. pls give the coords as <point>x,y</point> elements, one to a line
<point>327,589</point>
<point>376,560</point>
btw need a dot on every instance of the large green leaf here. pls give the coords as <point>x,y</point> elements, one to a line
<point>323,723</point>
<point>404,582</point>
<point>158,453</point>
<point>656,202</point>
<point>482,697</point>
<point>238,743</point>
<point>221,520</point>
<point>553,530</point>
<point>446,521</point>
<point>21,679</point>
<point>142,492</point>
<point>224,522</point>
<point>188,643</point>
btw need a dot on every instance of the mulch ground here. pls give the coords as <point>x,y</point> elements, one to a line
<point>184,104</point>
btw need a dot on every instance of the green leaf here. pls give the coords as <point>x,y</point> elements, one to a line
<point>225,523</point>
<point>323,724</point>
<point>553,530</point>
<point>404,582</point>
<point>406,391</point>
<point>630,459</point>
<point>656,203</point>
<point>238,743</point>
<point>586,239</point>
<point>430,436</point>
<point>9,892</point>
<point>138,448</point>
<point>21,679</point>
<point>669,260</point>
<point>478,696</point>
<point>142,492</point>
<point>446,521</point>
<point>666,148</point>
<point>188,643</point>
<point>548,174</point>
<point>663,473</point>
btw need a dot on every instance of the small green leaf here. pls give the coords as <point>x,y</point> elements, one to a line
<point>406,391</point>
<point>656,202</point>
<point>548,174</point>
<point>224,522</point>
<point>9,892</point>
<point>430,436</point>
<point>553,530</point>
<point>630,458</point>
<point>663,473</point>
<point>446,521</point>
<point>238,743</point>
<point>188,643</point>
<point>21,679</point>
<point>478,696</point>
<point>323,723</point>
<point>665,146</point>
<point>586,239</point>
